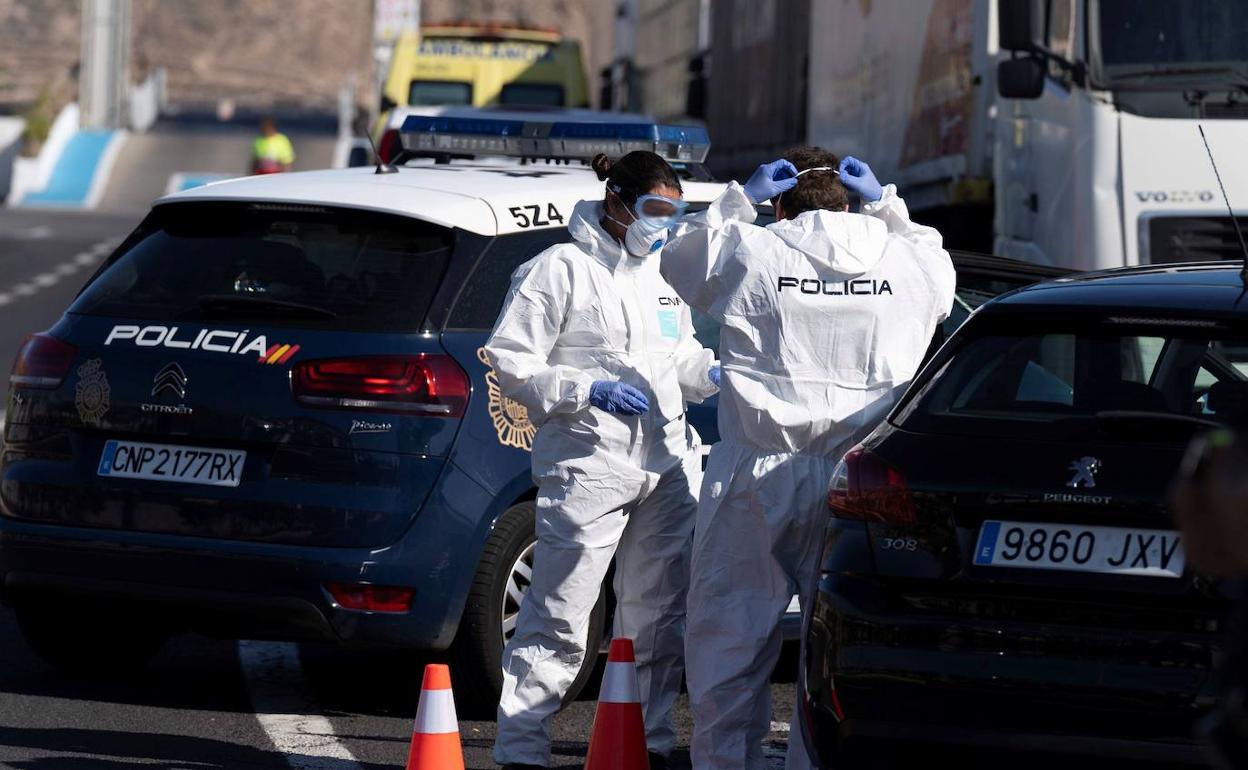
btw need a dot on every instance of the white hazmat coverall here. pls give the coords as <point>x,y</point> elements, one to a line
<point>826,318</point>
<point>608,484</point>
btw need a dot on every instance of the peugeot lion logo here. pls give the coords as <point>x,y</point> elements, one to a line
<point>1085,469</point>
<point>171,379</point>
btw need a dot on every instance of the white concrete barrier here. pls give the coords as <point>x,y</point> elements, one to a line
<point>32,174</point>
<point>147,99</point>
<point>11,129</point>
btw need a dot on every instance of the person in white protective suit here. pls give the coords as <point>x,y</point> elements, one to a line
<point>826,316</point>
<point>601,350</point>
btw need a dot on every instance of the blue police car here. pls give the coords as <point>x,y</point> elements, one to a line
<point>269,414</point>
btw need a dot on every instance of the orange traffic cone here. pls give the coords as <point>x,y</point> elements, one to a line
<point>435,737</point>
<point>619,738</point>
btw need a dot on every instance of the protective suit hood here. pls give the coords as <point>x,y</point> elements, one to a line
<point>849,244</point>
<point>585,226</point>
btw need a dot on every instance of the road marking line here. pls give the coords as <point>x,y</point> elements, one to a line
<point>282,705</point>
<point>86,258</point>
<point>779,727</point>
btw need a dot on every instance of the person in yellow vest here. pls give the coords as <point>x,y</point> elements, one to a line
<point>271,152</point>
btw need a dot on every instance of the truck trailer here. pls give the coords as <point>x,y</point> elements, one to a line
<point>1063,132</point>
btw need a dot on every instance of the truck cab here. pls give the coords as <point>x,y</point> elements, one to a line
<point>479,65</point>
<point>1099,158</point>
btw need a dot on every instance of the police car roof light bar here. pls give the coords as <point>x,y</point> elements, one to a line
<point>557,140</point>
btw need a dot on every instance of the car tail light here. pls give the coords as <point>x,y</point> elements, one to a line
<point>42,362</point>
<point>390,146</point>
<point>865,488</point>
<point>371,598</point>
<point>424,384</point>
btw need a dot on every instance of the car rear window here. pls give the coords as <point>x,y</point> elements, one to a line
<point>481,298</point>
<point>285,265</point>
<point>1101,376</point>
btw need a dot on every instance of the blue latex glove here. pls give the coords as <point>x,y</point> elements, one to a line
<point>771,179</point>
<point>618,398</point>
<point>857,176</point>
<point>714,375</point>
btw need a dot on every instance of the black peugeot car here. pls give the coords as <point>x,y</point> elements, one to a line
<point>1000,567</point>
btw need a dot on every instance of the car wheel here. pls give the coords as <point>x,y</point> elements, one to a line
<point>489,619</point>
<point>93,642</point>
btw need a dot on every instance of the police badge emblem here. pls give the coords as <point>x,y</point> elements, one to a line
<point>91,396</point>
<point>511,419</point>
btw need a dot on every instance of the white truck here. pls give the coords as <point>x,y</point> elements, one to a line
<point>1063,132</point>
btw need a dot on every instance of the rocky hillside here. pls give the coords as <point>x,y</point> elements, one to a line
<point>257,52</point>
<point>39,42</point>
<point>260,53</point>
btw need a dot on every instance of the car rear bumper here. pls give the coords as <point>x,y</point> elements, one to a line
<point>219,588</point>
<point>242,589</point>
<point>875,668</point>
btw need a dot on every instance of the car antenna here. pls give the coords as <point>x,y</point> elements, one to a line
<point>382,167</point>
<point>1243,246</point>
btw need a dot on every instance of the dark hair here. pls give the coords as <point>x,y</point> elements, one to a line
<point>818,189</point>
<point>635,174</point>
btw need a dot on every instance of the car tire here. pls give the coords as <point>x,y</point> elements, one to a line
<point>477,652</point>
<point>92,642</point>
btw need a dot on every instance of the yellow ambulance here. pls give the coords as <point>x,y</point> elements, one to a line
<point>481,65</point>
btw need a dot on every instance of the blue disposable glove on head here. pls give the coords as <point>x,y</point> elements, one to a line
<point>771,179</point>
<point>714,375</point>
<point>618,398</point>
<point>857,176</point>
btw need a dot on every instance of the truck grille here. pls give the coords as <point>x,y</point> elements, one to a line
<point>1225,110</point>
<point>1193,239</point>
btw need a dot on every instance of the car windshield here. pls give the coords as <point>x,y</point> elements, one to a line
<point>531,95</point>
<point>1142,38</point>
<point>439,92</point>
<point>1097,376</point>
<point>288,265</point>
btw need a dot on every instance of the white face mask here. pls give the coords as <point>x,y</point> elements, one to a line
<point>641,238</point>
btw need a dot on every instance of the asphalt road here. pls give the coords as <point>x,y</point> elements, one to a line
<point>147,161</point>
<point>208,704</point>
<point>45,258</point>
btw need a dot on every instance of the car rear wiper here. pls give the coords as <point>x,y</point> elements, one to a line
<point>1132,414</point>
<point>1150,426</point>
<point>262,304</point>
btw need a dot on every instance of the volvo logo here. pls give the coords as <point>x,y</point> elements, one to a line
<point>1085,470</point>
<point>172,380</point>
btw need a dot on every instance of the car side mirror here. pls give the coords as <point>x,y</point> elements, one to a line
<point>1020,25</point>
<point>387,103</point>
<point>1021,78</point>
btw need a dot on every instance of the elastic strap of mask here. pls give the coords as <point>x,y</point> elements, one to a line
<point>614,189</point>
<point>819,168</point>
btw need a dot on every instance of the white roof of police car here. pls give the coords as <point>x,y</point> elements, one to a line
<point>477,196</point>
